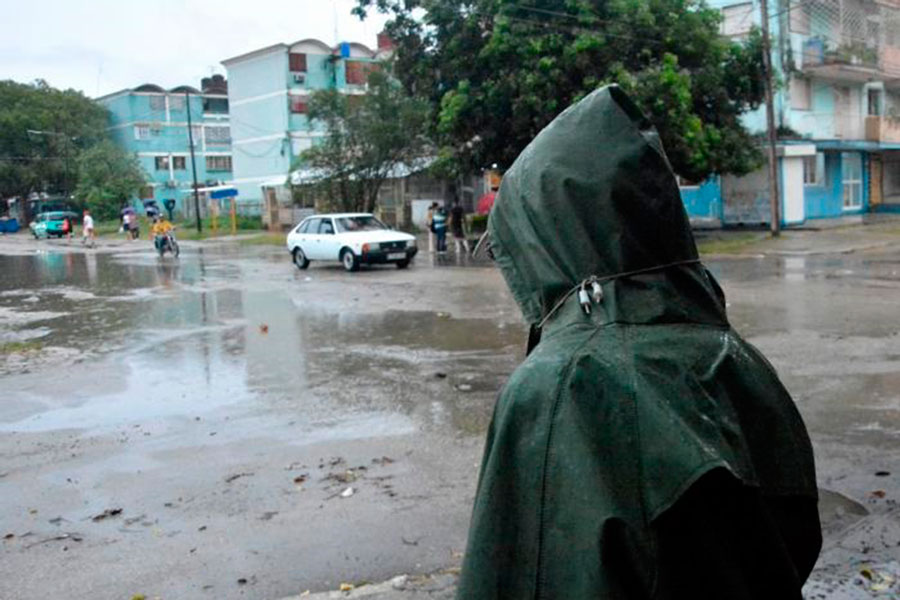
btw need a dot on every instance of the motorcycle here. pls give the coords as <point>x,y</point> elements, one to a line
<point>167,243</point>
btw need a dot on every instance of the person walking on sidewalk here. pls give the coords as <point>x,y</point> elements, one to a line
<point>458,228</point>
<point>439,220</point>
<point>87,229</point>
<point>643,450</point>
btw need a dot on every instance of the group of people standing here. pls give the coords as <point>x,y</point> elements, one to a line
<point>438,220</point>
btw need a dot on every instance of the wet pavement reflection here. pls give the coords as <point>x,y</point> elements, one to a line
<point>188,337</point>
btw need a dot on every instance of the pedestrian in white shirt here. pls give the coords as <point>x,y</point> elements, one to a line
<point>87,229</point>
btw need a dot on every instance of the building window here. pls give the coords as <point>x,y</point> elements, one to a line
<point>218,163</point>
<point>874,103</point>
<point>218,135</point>
<point>297,62</point>
<point>814,169</point>
<point>801,93</point>
<point>162,163</point>
<point>215,105</point>
<point>851,173</point>
<point>197,134</point>
<point>178,163</point>
<point>298,104</point>
<point>737,19</point>
<point>146,192</point>
<point>141,132</point>
<point>176,102</point>
<point>355,72</point>
<point>157,103</point>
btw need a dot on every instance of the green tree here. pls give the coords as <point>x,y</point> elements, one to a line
<point>107,178</point>
<point>42,132</point>
<point>497,71</point>
<point>367,137</point>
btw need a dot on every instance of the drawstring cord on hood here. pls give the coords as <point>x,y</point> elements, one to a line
<point>586,300</point>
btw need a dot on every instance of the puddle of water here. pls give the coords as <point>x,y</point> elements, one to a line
<point>198,344</point>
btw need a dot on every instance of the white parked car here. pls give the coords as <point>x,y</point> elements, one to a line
<point>351,238</point>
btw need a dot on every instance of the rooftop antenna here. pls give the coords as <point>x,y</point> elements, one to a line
<point>334,18</point>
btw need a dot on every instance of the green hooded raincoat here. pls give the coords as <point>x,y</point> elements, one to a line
<point>643,450</point>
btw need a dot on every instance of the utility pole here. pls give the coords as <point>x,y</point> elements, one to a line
<point>774,198</point>
<point>66,141</point>
<point>187,105</point>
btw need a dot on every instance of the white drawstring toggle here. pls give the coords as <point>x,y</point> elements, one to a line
<point>596,292</point>
<point>584,300</point>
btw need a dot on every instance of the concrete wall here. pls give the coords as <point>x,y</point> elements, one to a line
<point>257,94</point>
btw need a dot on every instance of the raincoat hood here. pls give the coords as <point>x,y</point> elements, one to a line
<point>592,195</point>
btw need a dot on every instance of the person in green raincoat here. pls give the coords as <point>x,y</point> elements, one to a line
<point>643,450</point>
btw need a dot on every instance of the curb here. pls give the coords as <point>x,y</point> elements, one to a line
<point>439,586</point>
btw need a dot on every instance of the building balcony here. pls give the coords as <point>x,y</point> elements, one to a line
<point>850,62</point>
<point>849,126</point>
<point>882,129</point>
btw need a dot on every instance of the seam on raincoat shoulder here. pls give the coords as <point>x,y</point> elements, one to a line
<point>563,379</point>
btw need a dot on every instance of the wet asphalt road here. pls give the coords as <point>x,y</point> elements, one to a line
<point>225,401</point>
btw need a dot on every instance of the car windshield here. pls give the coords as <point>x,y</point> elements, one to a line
<point>366,223</point>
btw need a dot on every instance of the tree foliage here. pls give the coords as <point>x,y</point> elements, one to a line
<point>497,71</point>
<point>107,178</point>
<point>68,122</point>
<point>367,137</point>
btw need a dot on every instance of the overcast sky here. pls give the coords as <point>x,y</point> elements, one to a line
<point>102,46</point>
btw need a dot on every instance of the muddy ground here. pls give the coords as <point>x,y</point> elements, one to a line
<point>226,426</point>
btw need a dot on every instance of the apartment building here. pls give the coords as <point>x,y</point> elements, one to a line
<point>152,123</point>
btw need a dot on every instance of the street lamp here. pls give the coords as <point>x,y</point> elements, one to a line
<point>65,152</point>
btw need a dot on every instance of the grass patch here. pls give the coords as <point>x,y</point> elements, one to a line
<point>263,239</point>
<point>20,347</point>
<point>730,243</point>
<point>184,229</point>
<point>223,224</point>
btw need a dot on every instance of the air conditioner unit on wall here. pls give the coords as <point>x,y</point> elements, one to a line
<point>171,184</point>
<point>299,77</point>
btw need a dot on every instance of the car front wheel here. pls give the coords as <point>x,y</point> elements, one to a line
<point>402,264</point>
<point>349,260</point>
<point>300,259</point>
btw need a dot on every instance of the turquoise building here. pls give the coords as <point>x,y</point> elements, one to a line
<point>268,93</point>
<point>152,123</point>
<point>837,110</point>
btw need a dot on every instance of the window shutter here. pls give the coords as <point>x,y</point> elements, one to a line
<point>354,73</point>
<point>297,62</point>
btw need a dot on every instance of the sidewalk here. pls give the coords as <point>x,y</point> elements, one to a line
<point>828,237</point>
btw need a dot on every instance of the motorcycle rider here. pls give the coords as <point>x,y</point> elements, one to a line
<point>160,229</point>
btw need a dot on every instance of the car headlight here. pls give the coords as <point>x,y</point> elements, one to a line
<point>411,243</point>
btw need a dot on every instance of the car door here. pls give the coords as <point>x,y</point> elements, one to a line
<point>298,237</point>
<point>309,239</point>
<point>330,243</point>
